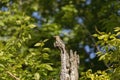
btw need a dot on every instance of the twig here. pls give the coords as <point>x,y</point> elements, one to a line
<point>92,38</point>
<point>12,75</point>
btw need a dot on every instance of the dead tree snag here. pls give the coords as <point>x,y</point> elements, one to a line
<point>69,61</point>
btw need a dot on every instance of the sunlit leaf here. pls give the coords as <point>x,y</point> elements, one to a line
<point>37,76</point>
<point>45,40</point>
<point>32,25</point>
<point>2,23</point>
<point>116,29</point>
<point>95,35</point>
<point>45,56</point>
<point>102,57</point>
<point>118,34</point>
<point>1,65</point>
<point>39,44</point>
<point>46,49</point>
<point>46,66</point>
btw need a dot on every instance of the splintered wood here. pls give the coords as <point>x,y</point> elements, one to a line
<point>69,61</point>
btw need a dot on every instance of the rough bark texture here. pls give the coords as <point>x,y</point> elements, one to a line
<point>69,61</point>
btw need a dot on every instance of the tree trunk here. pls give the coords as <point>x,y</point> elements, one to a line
<point>69,61</point>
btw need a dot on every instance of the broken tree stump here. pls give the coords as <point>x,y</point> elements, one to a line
<point>69,61</point>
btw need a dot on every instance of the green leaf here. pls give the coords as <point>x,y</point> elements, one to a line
<point>45,56</point>
<point>46,49</point>
<point>32,26</point>
<point>112,36</point>
<point>19,44</point>
<point>1,23</point>
<point>46,66</point>
<point>39,44</point>
<point>95,35</point>
<point>1,65</point>
<point>118,34</point>
<point>1,53</point>
<point>104,37</point>
<point>116,29</point>
<point>35,6</point>
<point>29,36</point>
<point>102,57</point>
<point>45,40</point>
<point>37,76</point>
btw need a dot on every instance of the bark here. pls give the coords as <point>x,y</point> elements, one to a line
<point>69,61</point>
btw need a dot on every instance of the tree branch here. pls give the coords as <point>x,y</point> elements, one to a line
<point>12,75</point>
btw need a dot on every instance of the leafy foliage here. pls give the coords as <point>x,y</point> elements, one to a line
<point>18,56</point>
<point>110,51</point>
<point>23,61</point>
<point>99,75</point>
